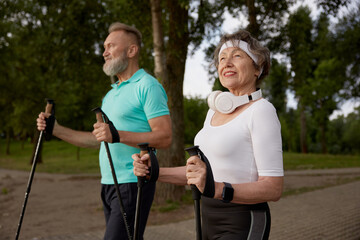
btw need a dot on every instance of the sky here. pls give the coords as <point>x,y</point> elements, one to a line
<point>196,78</point>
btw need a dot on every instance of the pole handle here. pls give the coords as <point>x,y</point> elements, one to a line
<point>99,114</point>
<point>49,105</point>
<point>99,117</point>
<point>143,148</point>
<point>194,151</point>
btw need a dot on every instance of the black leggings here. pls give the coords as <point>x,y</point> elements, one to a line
<point>229,221</point>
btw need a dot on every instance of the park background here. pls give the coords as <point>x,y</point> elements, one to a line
<point>53,49</point>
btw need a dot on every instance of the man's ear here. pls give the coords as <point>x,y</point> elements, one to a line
<point>132,51</point>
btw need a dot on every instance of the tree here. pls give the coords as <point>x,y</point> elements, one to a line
<point>275,85</point>
<point>328,72</point>
<point>332,6</point>
<point>56,45</point>
<point>352,135</point>
<point>169,69</point>
<point>347,33</point>
<point>298,33</point>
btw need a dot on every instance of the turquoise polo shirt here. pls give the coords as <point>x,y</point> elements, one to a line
<point>129,106</point>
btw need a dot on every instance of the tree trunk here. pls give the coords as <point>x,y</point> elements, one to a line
<point>158,39</point>
<point>323,138</point>
<point>170,68</point>
<point>253,26</point>
<point>303,144</point>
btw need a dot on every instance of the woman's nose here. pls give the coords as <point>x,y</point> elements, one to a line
<point>228,62</point>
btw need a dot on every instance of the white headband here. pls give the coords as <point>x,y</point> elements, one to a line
<point>243,46</point>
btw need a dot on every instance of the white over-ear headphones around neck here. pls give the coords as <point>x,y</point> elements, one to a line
<point>226,102</point>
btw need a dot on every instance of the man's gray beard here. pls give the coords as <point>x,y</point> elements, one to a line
<point>115,66</point>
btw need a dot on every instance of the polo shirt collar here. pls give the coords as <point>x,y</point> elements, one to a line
<point>134,78</point>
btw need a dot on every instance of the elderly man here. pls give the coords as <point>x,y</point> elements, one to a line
<point>137,106</point>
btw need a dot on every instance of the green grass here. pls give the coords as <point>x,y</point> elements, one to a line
<point>297,161</point>
<point>61,157</point>
<point>57,157</point>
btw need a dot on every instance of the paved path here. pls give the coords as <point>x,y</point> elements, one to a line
<point>332,213</point>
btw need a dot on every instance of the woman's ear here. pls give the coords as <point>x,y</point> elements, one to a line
<point>257,73</point>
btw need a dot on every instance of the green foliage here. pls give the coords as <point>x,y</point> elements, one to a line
<point>53,49</point>
<point>348,49</point>
<point>332,7</point>
<point>299,35</point>
<point>319,74</point>
<point>56,45</point>
<point>348,131</point>
<point>218,86</point>
<point>275,85</point>
<point>195,110</point>
<point>290,131</point>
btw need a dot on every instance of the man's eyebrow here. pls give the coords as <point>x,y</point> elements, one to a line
<point>108,43</point>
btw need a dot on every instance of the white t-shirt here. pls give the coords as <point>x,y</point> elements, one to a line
<point>245,148</point>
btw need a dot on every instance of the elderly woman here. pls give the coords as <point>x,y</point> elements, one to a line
<point>241,139</point>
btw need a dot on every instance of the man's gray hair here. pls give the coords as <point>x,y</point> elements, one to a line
<point>117,26</point>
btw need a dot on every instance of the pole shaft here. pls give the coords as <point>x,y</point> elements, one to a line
<point>141,180</point>
<point>193,151</point>
<point>99,117</point>
<point>48,109</point>
<point>122,209</point>
<point>28,189</point>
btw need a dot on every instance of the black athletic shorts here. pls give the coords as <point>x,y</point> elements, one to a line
<point>115,227</point>
<point>230,221</point>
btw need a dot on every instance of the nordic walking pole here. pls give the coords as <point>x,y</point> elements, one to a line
<point>140,184</point>
<point>48,109</point>
<point>100,117</point>
<point>196,195</point>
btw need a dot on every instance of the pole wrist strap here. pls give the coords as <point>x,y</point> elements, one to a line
<point>50,122</point>
<point>209,190</point>
<point>154,169</point>
<point>114,133</point>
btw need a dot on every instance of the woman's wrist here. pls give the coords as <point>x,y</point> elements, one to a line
<point>218,190</point>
